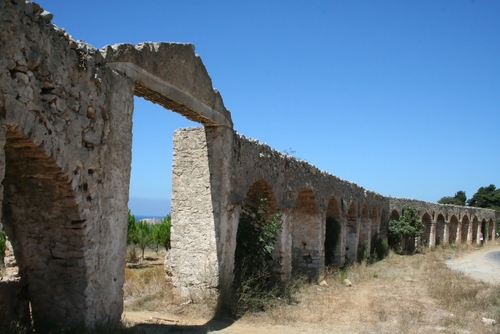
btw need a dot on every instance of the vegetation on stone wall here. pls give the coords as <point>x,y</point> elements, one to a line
<point>254,284</point>
<point>3,241</point>
<point>402,232</point>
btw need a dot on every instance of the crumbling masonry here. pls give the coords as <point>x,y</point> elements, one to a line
<point>65,154</point>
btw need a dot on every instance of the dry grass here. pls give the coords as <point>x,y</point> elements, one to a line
<point>401,294</point>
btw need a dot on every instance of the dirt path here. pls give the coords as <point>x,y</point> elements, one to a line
<point>482,264</point>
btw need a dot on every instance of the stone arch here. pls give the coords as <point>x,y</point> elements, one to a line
<point>364,231</point>
<point>484,231</point>
<point>260,199</point>
<point>333,234</point>
<point>440,229</point>
<point>306,234</point>
<point>383,225</point>
<point>475,230</point>
<point>41,218</point>
<point>425,239</point>
<point>375,225</point>
<point>394,215</point>
<point>465,229</point>
<point>351,232</point>
<point>453,236</point>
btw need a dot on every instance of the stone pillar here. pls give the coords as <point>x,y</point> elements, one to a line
<point>285,241</point>
<point>204,225</point>
<point>432,235</point>
<point>446,233</point>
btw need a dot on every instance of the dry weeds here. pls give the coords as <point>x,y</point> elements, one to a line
<point>401,294</point>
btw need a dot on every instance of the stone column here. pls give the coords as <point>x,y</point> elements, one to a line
<point>432,235</point>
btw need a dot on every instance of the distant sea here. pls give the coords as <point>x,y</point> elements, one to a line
<point>137,218</point>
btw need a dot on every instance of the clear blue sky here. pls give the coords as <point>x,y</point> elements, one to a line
<point>401,97</point>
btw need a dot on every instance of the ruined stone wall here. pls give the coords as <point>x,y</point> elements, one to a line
<point>305,196</point>
<point>65,134</point>
<point>450,223</point>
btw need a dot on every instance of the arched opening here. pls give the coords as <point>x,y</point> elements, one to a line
<point>440,226</point>
<point>475,230</point>
<point>259,208</point>
<point>351,233</point>
<point>394,215</point>
<point>41,218</point>
<point>364,234</point>
<point>426,235</point>
<point>484,231</point>
<point>491,227</point>
<point>333,233</point>
<point>375,222</point>
<point>383,225</point>
<point>306,235</point>
<point>465,229</point>
<point>453,229</point>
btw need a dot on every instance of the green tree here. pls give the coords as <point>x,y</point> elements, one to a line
<point>143,235</point>
<point>161,232</point>
<point>459,199</point>
<point>130,228</point>
<point>3,246</point>
<point>403,231</point>
<point>486,197</point>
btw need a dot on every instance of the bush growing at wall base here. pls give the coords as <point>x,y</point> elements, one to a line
<point>254,285</point>
<point>403,231</point>
<point>3,241</point>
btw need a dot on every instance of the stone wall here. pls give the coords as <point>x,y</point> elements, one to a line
<point>450,224</point>
<point>65,154</point>
<point>65,135</point>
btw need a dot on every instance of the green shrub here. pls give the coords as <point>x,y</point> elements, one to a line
<point>3,241</point>
<point>254,286</point>
<point>379,249</point>
<point>402,232</point>
<point>161,232</point>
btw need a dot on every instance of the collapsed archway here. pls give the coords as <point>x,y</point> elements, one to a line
<point>41,218</point>
<point>306,234</point>
<point>333,233</point>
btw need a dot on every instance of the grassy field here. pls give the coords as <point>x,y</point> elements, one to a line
<point>401,294</point>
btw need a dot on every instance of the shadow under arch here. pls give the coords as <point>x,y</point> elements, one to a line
<point>440,229</point>
<point>465,229</point>
<point>306,235</point>
<point>260,197</point>
<point>333,234</point>
<point>425,238</point>
<point>41,218</point>
<point>351,233</point>
<point>453,230</point>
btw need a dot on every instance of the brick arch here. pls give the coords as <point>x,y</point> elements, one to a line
<point>41,218</point>
<point>261,189</point>
<point>465,229</point>
<point>394,215</point>
<point>306,234</point>
<point>333,234</point>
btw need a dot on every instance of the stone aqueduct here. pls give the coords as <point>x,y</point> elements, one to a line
<point>65,155</point>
